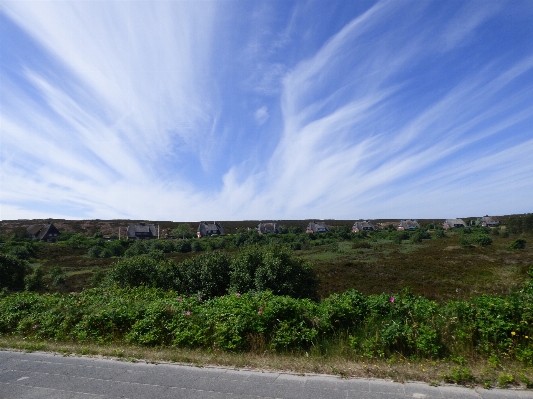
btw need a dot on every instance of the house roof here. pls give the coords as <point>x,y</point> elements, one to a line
<point>34,229</point>
<point>316,226</point>
<point>39,231</point>
<point>362,224</point>
<point>489,220</point>
<point>408,223</point>
<point>452,222</point>
<point>203,227</point>
<point>133,229</point>
<point>268,227</point>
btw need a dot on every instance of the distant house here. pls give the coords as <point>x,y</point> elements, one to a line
<point>206,229</point>
<point>43,232</point>
<point>265,228</point>
<point>317,227</point>
<point>141,231</point>
<point>453,224</point>
<point>363,225</point>
<point>488,221</point>
<point>408,225</point>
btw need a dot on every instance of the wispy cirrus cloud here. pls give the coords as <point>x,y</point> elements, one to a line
<point>183,110</point>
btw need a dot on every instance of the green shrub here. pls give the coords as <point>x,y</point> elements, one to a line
<point>519,243</point>
<point>207,275</point>
<point>34,281</point>
<point>57,275</point>
<point>505,379</point>
<point>135,271</point>
<point>182,246</point>
<point>21,252</point>
<point>273,268</point>
<point>12,272</point>
<point>440,233</point>
<point>483,240</point>
<point>78,241</point>
<point>459,375</point>
<point>465,242</point>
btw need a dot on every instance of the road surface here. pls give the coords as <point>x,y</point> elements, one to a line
<point>43,376</point>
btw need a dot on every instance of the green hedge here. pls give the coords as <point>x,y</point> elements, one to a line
<point>372,326</point>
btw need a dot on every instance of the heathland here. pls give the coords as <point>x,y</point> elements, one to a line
<point>458,304</point>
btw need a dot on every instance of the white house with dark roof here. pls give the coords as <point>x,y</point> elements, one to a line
<point>141,231</point>
<point>206,229</point>
<point>317,227</point>
<point>362,225</point>
<point>408,224</point>
<point>453,224</point>
<point>488,221</point>
<point>269,227</point>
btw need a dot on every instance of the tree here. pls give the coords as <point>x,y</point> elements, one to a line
<point>182,230</point>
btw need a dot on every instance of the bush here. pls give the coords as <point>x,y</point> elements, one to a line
<point>95,251</point>
<point>78,241</point>
<point>440,233</point>
<point>12,272</point>
<point>207,275</point>
<point>182,246</point>
<point>135,271</point>
<point>21,252</point>
<point>519,243</point>
<point>273,268</point>
<point>34,281</point>
<point>139,247</point>
<point>483,240</point>
<point>465,242</point>
<point>57,275</point>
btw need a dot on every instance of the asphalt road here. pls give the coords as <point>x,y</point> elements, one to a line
<point>43,376</point>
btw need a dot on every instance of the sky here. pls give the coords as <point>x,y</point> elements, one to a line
<point>256,110</point>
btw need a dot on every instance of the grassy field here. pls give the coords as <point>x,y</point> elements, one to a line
<point>439,269</point>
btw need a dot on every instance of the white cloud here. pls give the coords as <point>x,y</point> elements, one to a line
<point>261,115</point>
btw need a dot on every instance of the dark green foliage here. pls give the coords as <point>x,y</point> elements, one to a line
<point>35,280</point>
<point>272,268</point>
<point>440,233</point>
<point>207,275</point>
<point>79,241</point>
<point>196,246</point>
<point>98,278</point>
<point>482,240</point>
<point>519,243</point>
<point>12,272</point>
<point>182,246</point>
<point>21,252</point>
<point>57,275</point>
<point>520,224</point>
<point>399,236</point>
<point>373,326</point>
<point>136,271</point>
<point>465,241</point>
<point>418,236</point>
<point>182,231</point>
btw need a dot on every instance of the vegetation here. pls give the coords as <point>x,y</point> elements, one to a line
<point>470,295</point>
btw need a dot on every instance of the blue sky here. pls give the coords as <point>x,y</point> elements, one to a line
<point>229,110</point>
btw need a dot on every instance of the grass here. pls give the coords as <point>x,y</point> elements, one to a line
<point>439,269</point>
<point>336,361</point>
